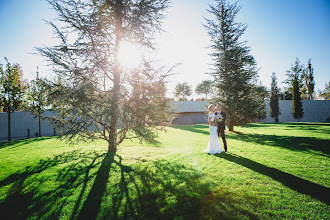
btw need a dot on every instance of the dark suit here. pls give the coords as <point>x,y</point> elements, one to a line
<point>221,129</point>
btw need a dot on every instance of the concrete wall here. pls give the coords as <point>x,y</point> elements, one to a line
<point>21,121</point>
<point>314,111</point>
<point>190,118</point>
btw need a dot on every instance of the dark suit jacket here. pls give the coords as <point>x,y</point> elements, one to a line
<point>222,126</point>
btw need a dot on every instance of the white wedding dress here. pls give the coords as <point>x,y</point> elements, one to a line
<point>213,146</point>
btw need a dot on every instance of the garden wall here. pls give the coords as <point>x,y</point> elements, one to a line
<point>314,111</point>
<point>21,121</point>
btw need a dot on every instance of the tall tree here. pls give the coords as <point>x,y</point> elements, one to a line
<point>274,96</point>
<point>309,80</point>
<point>95,86</point>
<point>205,87</point>
<point>295,84</point>
<point>235,73</point>
<point>37,96</point>
<point>12,90</point>
<point>182,89</point>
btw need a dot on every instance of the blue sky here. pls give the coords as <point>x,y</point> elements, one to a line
<point>278,32</point>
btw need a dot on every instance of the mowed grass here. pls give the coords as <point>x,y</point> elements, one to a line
<point>271,171</point>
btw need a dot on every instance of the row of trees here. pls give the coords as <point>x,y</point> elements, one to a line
<point>300,85</point>
<point>18,94</point>
<point>96,97</point>
<point>183,90</point>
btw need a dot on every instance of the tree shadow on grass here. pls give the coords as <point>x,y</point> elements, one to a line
<point>164,190</point>
<point>28,194</point>
<point>80,185</point>
<point>293,182</point>
<point>288,142</point>
<point>18,143</point>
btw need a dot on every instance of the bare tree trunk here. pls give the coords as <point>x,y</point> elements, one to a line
<point>231,127</point>
<point>39,127</point>
<point>9,132</point>
<point>116,81</point>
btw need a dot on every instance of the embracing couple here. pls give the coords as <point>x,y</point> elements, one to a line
<point>216,121</point>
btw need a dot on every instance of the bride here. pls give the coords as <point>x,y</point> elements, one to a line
<point>213,146</point>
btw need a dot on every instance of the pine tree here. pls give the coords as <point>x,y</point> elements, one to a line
<point>99,97</point>
<point>295,83</point>
<point>12,90</point>
<point>235,73</point>
<point>274,96</point>
<point>205,87</point>
<point>297,110</point>
<point>309,81</point>
<point>37,96</point>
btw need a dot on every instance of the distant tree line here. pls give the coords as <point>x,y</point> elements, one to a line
<point>300,86</point>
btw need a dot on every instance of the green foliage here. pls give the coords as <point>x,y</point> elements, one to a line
<point>37,96</point>
<point>285,94</point>
<point>258,109</point>
<point>274,96</point>
<point>295,84</point>
<point>309,83</point>
<point>297,110</point>
<point>235,74</point>
<point>182,89</point>
<point>205,87</point>
<point>95,96</point>
<point>271,171</point>
<point>326,91</point>
<point>12,90</point>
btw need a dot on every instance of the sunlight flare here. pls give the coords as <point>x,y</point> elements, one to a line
<point>130,54</point>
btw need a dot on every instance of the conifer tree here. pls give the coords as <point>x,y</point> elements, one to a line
<point>274,96</point>
<point>234,70</point>
<point>12,90</point>
<point>309,80</point>
<point>99,97</point>
<point>295,84</point>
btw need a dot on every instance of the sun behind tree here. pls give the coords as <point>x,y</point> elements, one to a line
<point>130,54</point>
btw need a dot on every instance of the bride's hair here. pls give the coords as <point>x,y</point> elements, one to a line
<point>209,108</point>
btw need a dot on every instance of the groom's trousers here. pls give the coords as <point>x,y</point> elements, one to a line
<point>222,133</point>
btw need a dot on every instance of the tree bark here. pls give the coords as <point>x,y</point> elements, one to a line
<point>9,132</point>
<point>39,127</point>
<point>230,126</point>
<point>116,80</point>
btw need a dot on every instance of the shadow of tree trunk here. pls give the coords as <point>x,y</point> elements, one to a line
<point>93,202</point>
<point>293,182</point>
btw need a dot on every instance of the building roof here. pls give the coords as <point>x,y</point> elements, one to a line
<point>190,106</point>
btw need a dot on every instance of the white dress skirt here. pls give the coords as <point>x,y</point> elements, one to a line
<point>214,146</point>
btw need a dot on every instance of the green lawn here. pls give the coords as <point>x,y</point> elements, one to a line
<point>271,171</point>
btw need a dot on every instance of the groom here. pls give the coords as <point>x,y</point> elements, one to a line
<point>221,126</point>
